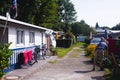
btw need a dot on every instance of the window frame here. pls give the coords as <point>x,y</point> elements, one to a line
<point>31,37</point>
<point>20,37</point>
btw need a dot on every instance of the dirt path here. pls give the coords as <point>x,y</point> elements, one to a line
<point>74,66</point>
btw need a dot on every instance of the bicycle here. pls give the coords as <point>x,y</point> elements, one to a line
<point>36,53</point>
<point>43,51</point>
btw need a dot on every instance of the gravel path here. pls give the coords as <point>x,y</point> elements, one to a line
<point>74,66</point>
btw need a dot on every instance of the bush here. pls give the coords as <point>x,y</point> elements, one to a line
<point>91,50</point>
<point>53,50</point>
<point>69,35</point>
<point>5,54</point>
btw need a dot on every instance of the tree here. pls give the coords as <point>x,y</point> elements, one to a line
<point>26,10</point>
<point>75,28</point>
<point>5,6</point>
<point>47,15</point>
<point>81,28</point>
<point>53,14</point>
<point>97,26</point>
<point>66,13</point>
<point>117,27</point>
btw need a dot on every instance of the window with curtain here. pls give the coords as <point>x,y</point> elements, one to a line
<point>20,36</point>
<point>31,37</point>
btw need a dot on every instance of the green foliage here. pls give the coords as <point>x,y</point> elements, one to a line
<point>4,6</point>
<point>39,12</point>
<point>109,75</point>
<point>53,14</point>
<point>47,14</point>
<point>53,61</point>
<point>66,14</point>
<point>61,52</point>
<point>117,27</point>
<point>5,54</point>
<point>69,35</point>
<point>27,10</point>
<point>81,28</point>
<point>66,11</point>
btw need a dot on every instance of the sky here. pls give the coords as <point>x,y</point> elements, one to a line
<point>105,12</point>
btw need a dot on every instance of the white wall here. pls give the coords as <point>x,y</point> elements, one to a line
<point>44,38</point>
<point>38,38</point>
<point>12,37</point>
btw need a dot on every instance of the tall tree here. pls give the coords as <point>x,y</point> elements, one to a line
<point>47,15</point>
<point>26,10</point>
<point>54,14</point>
<point>97,25</point>
<point>38,12</point>
<point>81,28</point>
<point>66,13</point>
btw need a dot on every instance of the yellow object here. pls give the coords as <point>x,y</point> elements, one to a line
<point>91,50</point>
<point>56,36</point>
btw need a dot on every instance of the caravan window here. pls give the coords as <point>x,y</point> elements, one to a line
<point>20,36</point>
<point>31,37</point>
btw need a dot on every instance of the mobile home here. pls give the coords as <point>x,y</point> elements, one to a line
<point>23,36</point>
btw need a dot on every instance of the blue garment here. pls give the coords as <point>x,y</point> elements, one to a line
<point>101,46</point>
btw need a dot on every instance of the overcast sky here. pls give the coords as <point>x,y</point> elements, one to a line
<point>105,12</point>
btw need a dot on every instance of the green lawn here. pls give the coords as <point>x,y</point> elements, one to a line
<point>61,52</point>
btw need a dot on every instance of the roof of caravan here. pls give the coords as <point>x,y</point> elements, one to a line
<point>23,23</point>
<point>108,31</point>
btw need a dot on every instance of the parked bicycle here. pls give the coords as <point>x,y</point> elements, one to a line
<point>43,51</point>
<point>36,53</point>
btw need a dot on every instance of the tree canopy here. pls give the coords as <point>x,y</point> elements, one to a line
<point>53,14</point>
<point>66,13</point>
<point>117,27</point>
<point>81,27</point>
